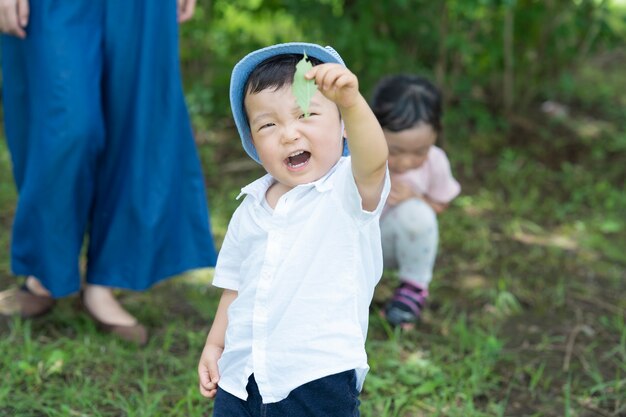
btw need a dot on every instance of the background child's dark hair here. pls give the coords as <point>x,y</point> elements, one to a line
<point>402,101</point>
<point>275,72</point>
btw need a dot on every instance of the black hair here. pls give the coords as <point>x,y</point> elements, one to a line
<point>402,101</point>
<point>275,72</point>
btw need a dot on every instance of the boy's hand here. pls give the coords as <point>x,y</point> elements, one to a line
<point>14,17</point>
<point>336,83</point>
<point>208,372</point>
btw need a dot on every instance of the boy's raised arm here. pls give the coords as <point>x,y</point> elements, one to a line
<point>366,140</point>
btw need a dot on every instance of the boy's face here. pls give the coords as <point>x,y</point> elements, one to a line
<point>294,149</point>
<point>408,149</point>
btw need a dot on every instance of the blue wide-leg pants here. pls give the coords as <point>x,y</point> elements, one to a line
<point>102,146</point>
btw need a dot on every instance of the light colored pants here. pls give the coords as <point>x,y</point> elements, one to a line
<point>410,235</point>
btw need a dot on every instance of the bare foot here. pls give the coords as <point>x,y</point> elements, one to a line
<point>35,287</point>
<point>103,305</point>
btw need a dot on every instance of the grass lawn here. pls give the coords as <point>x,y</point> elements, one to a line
<point>526,314</point>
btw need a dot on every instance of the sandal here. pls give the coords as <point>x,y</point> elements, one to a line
<point>25,303</point>
<point>134,333</point>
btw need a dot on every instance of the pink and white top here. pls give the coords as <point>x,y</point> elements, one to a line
<point>433,178</point>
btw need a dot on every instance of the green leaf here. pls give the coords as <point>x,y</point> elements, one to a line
<point>302,88</point>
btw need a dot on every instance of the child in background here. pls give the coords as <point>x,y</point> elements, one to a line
<point>302,253</point>
<point>409,110</point>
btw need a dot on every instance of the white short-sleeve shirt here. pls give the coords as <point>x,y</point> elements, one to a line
<point>305,275</point>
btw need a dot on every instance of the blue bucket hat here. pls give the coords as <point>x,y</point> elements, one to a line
<point>244,68</point>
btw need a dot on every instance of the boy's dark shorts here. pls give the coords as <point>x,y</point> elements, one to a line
<point>332,396</point>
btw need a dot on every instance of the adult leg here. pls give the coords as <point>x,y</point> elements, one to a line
<point>53,123</point>
<point>410,238</point>
<point>150,218</point>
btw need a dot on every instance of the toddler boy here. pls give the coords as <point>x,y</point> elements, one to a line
<point>302,253</point>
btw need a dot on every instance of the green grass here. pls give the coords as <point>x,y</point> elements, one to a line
<point>526,314</point>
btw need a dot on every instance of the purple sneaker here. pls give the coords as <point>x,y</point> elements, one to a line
<point>405,307</point>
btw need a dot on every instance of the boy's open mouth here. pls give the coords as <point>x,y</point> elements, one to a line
<point>298,159</point>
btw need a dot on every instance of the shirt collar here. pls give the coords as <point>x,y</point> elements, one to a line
<point>258,188</point>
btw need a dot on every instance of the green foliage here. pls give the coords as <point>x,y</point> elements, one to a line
<point>464,45</point>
